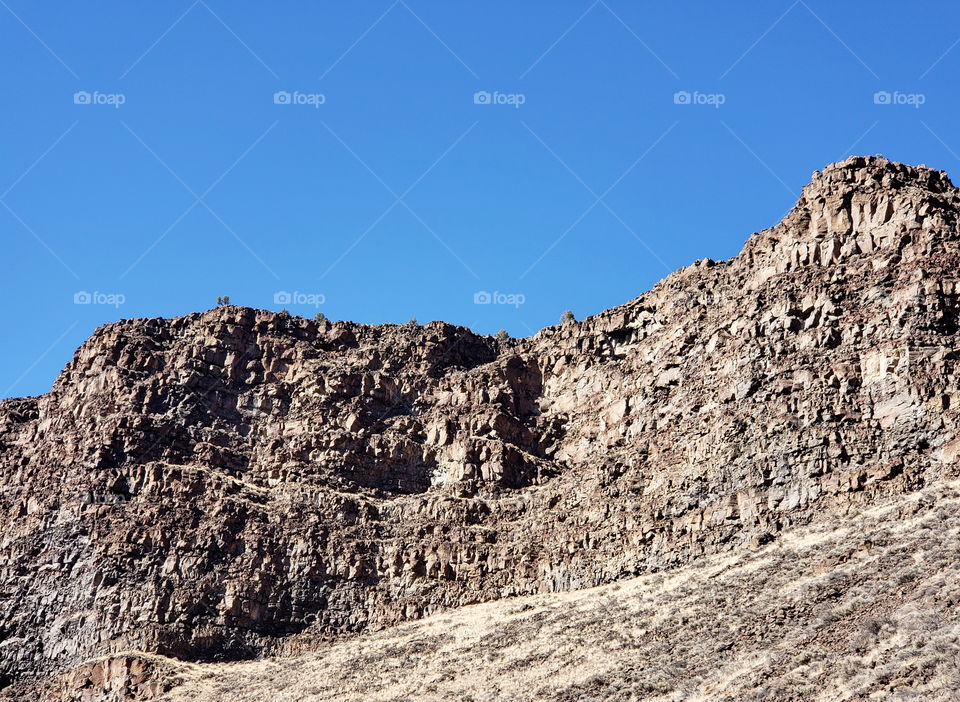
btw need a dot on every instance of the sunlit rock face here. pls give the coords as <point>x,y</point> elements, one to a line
<point>239,483</point>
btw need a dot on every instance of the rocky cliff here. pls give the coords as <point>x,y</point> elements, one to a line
<point>240,483</point>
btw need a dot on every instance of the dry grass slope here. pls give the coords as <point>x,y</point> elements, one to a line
<point>869,609</point>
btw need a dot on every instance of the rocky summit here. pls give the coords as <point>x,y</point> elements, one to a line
<point>238,484</point>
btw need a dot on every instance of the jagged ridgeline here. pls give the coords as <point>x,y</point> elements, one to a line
<point>238,483</point>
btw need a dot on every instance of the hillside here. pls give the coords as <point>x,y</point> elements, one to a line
<point>866,608</point>
<point>238,483</point>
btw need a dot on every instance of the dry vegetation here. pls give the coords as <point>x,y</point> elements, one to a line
<point>869,610</point>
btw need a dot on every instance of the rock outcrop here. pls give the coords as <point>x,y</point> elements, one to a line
<point>861,608</point>
<point>241,483</point>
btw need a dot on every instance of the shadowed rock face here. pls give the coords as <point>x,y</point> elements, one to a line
<point>238,482</point>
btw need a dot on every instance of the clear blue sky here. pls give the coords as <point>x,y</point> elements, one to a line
<point>399,196</point>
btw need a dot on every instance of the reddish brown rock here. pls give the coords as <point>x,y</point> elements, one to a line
<point>238,483</point>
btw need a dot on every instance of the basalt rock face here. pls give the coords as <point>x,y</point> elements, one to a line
<point>241,483</point>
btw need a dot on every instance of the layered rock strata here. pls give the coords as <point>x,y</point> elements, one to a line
<point>239,483</point>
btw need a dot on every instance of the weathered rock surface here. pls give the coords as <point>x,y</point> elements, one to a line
<point>241,483</point>
<point>861,608</point>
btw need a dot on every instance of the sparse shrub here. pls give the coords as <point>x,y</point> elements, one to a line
<point>906,577</point>
<point>872,626</point>
<point>320,317</point>
<point>567,317</point>
<point>223,300</point>
<point>502,335</point>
